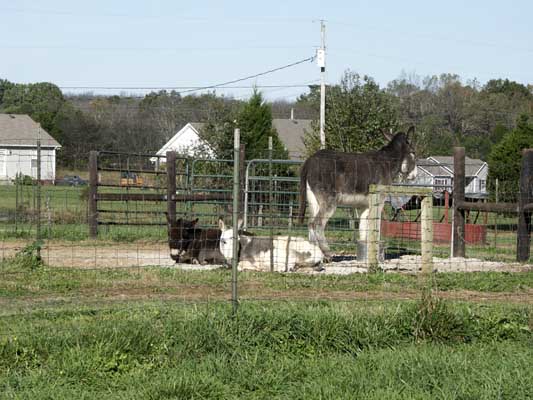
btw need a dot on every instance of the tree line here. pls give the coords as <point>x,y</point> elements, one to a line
<point>446,111</point>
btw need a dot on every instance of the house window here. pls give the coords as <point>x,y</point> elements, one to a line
<point>440,182</point>
<point>482,185</point>
<point>34,163</point>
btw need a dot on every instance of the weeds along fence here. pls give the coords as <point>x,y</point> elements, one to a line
<point>109,239</point>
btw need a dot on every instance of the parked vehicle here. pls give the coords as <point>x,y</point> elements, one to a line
<point>71,180</point>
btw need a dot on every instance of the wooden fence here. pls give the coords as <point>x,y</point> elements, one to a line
<point>523,208</point>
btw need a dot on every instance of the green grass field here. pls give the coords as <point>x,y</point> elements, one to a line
<point>327,350</point>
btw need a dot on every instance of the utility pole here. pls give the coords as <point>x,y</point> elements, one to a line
<point>321,61</point>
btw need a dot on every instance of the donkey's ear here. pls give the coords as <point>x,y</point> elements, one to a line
<point>388,134</point>
<point>221,224</point>
<point>411,133</point>
<point>195,221</point>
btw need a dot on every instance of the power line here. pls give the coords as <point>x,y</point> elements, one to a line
<point>190,89</point>
<point>251,76</point>
<point>180,49</point>
<point>430,36</point>
<point>244,20</point>
<point>181,87</point>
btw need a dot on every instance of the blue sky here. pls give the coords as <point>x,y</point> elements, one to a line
<point>199,43</point>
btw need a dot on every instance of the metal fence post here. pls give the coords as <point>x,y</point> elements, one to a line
<point>93,192</point>
<point>236,190</point>
<point>270,211</point>
<point>242,168</point>
<point>38,234</point>
<point>17,184</point>
<point>171,191</point>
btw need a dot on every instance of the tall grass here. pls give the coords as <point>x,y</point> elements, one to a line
<point>274,350</point>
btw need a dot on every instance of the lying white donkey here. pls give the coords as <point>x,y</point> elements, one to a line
<point>290,252</point>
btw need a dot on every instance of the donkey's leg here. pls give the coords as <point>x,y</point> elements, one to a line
<point>326,211</point>
<point>364,222</point>
<point>314,208</point>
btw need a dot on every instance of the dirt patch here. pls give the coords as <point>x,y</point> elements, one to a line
<point>94,254</point>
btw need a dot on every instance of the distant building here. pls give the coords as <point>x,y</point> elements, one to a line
<point>290,131</point>
<point>18,148</point>
<point>185,141</point>
<point>437,171</point>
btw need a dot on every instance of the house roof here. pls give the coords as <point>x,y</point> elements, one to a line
<point>291,133</point>
<point>21,130</point>
<point>472,165</point>
<point>433,168</point>
<point>442,166</point>
<point>174,141</point>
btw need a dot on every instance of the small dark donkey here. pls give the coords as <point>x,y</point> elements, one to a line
<point>191,244</point>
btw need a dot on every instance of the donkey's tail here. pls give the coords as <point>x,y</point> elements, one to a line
<point>303,192</point>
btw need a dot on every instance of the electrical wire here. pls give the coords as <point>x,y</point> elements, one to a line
<point>251,76</point>
<point>180,87</point>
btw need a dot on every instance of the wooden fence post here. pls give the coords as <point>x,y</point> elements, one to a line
<point>93,193</point>
<point>523,239</point>
<point>372,235</point>
<point>427,234</point>
<point>458,245</point>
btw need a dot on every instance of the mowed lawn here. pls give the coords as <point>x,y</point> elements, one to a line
<point>152,333</point>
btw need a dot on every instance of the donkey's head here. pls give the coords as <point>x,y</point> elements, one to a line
<point>182,234</point>
<point>401,145</point>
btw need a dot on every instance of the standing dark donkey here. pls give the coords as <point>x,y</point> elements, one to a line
<point>330,178</point>
<point>191,244</point>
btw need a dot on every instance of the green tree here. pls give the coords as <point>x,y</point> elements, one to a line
<point>357,111</point>
<point>41,101</point>
<point>255,123</point>
<point>508,88</point>
<point>4,85</point>
<point>505,159</point>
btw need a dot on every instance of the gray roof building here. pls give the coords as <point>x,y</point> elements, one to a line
<point>472,165</point>
<point>18,130</point>
<point>291,133</point>
<point>437,171</point>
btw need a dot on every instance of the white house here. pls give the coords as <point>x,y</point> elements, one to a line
<point>185,141</point>
<point>437,171</point>
<point>290,131</point>
<point>18,148</point>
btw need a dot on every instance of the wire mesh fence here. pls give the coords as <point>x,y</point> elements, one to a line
<point>129,258</point>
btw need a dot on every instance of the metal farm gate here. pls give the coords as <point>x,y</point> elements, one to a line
<point>136,192</point>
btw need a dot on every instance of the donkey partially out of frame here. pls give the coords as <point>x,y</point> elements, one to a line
<point>331,178</point>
